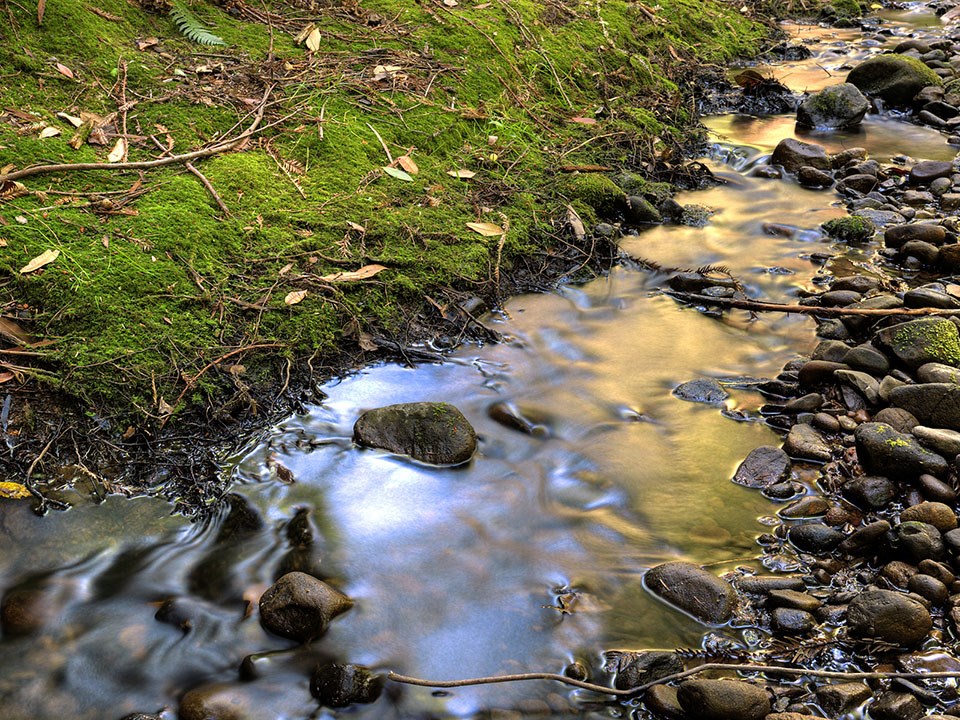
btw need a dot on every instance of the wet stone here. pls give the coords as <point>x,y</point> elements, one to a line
<point>766,584</point>
<point>435,433</point>
<point>793,599</point>
<point>897,418</point>
<point>337,685</point>
<point>868,359</point>
<point>633,669</point>
<point>811,177</point>
<point>805,507</point>
<point>898,573</point>
<point>928,587</point>
<point>896,706</point>
<point>898,235</point>
<point>791,621</point>
<point>870,492</point>
<point>840,698</point>
<point>826,422</point>
<point>930,298</point>
<point>702,390</point>
<point>662,701</point>
<point>916,541</point>
<point>938,373</point>
<point>863,383</point>
<point>926,171</point>
<point>814,537</point>
<point>724,700</point>
<point>806,443</point>
<point>866,541</point>
<point>693,590</point>
<point>299,607</point>
<point>818,372</point>
<point>881,449</point>
<point>941,516</point>
<point>933,404</point>
<point>793,154</point>
<point>835,107</point>
<point>918,342</point>
<point>924,252</point>
<point>889,616</point>
<point>936,490</point>
<point>937,570</point>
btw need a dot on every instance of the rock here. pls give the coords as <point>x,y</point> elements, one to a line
<point>814,537</point>
<point>794,154</point>
<point>219,701</point>
<point>662,701</point>
<point>641,211</point>
<point>633,669</point>
<point>895,79</point>
<point>898,235</point>
<point>337,685</point>
<point>944,442</point>
<point>936,490</point>
<point>888,616</point>
<point>926,253</point>
<point>299,607</point>
<point>870,492</point>
<point>693,590</point>
<point>896,706</point>
<point>818,372</point>
<point>839,298</point>
<point>938,373</point>
<point>929,588</point>
<point>766,584</point>
<point>898,572</point>
<point>949,257</point>
<point>868,359</point>
<point>865,384</point>
<point>933,404</point>
<point>929,298</point>
<point>898,418</point>
<point>763,466</point>
<point>791,621</point>
<point>937,514</point>
<point>916,541</point>
<point>836,107</point>
<point>806,507</point>
<point>868,540</point>
<point>922,341</point>
<point>881,449</point>
<point>926,171</point>
<point>431,432</point>
<point>861,183</point>
<point>702,390</point>
<point>793,599</point>
<point>813,178</point>
<point>723,700</point>
<point>806,443</point>
<point>841,698</point>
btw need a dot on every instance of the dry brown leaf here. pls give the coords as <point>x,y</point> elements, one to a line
<point>367,271</point>
<point>41,8</point>
<point>146,43</point>
<point>304,33</point>
<point>313,40</point>
<point>6,377</point>
<point>407,163</point>
<point>462,174</point>
<point>295,296</point>
<point>48,132</point>
<point>7,168</point>
<point>41,260</point>
<point>486,229</point>
<point>10,189</point>
<point>356,227</point>
<point>72,119</point>
<point>13,491</point>
<point>584,120</point>
<point>64,70</point>
<point>164,407</point>
<point>119,151</point>
<point>575,223</point>
<point>285,269</point>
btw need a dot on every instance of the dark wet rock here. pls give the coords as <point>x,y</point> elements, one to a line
<point>928,587</point>
<point>868,359</point>
<point>952,540</point>
<point>817,372</point>
<point>28,608</point>
<point>859,183</point>
<point>836,107</point>
<point>916,541</point>
<point>839,298</point>
<point>941,516</point>
<point>933,404</point>
<point>830,350</point>
<point>793,599</point>
<point>811,177</point>
<point>896,79</point>
<point>793,154</point>
<point>662,701</point>
<point>218,701</point>
<point>694,282</point>
<point>337,685</point>
<point>814,537</point>
<point>926,253</point>
<point>693,590</point>
<point>299,607</point>
<point>898,235</point>
<point>896,706</point>
<point>949,257</point>
<point>641,211</point>
<point>870,492</point>
<point>917,198</point>
<point>766,584</point>
<point>840,698</point>
<point>633,669</point>
<point>938,373</point>
<point>865,384</point>
<point>723,700</point>
<point>806,443</point>
<point>922,341</point>
<point>702,390</point>
<point>431,432</point>
<point>898,573</point>
<point>912,44</point>
<point>806,507</point>
<point>763,467</point>
<point>509,415</point>
<point>937,570</point>
<point>858,283</point>
<point>889,616</point>
<point>936,490</point>
<point>881,449</point>
<point>926,171</point>
<point>930,298</point>
<point>791,621</point>
<point>826,422</point>
<point>811,402</point>
<point>897,418</point>
<point>866,541</point>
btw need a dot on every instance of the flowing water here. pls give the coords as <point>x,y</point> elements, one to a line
<point>528,558</point>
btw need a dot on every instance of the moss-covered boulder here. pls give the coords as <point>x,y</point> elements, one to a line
<point>435,433</point>
<point>852,228</point>
<point>923,341</point>
<point>895,79</point>
<point>836,107</point>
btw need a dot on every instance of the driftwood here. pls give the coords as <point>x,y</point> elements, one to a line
<point>216,149</point>
<point>730,667</point>
<point>757,306</point>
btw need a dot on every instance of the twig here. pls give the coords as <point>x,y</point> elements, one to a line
<point>146,165</point>
<point>584,168</point>
<point>496,268</point>
<point>382,143</point>
<point>757,306</point>
<point>508,678</point>
<point>193,380</point>
<point>210,189</point>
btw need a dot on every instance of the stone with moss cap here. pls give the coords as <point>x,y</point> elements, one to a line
<point>431,432</point>
<point>851,228</point>
<point>923,341</point>
<point>895,79</point>
<point>835,107</point>
<point>882,450</point>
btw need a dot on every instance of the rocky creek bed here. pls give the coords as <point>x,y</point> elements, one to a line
<point>860,558</point>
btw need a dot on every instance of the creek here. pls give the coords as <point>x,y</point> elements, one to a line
<point>528,558</point>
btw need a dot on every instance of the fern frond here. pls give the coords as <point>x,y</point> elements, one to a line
<point>191,28</point>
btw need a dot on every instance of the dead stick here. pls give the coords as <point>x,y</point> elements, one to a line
<point>210,189</point>
<point>193,381</point>
<point>382,143</point>
<point>758,306</point>
<point>147,164</point>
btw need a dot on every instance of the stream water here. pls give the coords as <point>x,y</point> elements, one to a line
<point>528,558</point>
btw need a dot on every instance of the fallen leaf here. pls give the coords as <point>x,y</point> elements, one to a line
<point>450,3</point>
<point>385,72</point>
<point>313,40</point>
<point>462,174</point>
<point>49,132</point>
<point>119,151</point>
<point>407,163</point>
<point>295,296</point>
<point>7,168</point>
<point>21,219</point>
<point>146,43</point>
<point>6,377</point>
<point>367,271</point>
<point>583,120</point>
<point>129,432</point>
<point>3,242</point>
<point>13,491</point>
<point>41,260</point>
<point>64,70</point>
<point>485,229</point>
<point>72,119</point>
<point>10,189</point>
<point>164,407</point>
<point>575,223</point>
<point>355,226</point>
<point>41,8</point>
<point>398,174</point>
<point>285,269</point>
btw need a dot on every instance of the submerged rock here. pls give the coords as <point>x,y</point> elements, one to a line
<point>435,433</point>
<point>299,607</point>
<point>836,107</point>
<point>723,700</point>
<point>702,390</point>
<point>337,685</point>
<point>693,590</point>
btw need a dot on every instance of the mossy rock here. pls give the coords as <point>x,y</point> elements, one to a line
<point>598,192</point>
<point>851,229</point>
<point>431,432</point>
<point>919,342</point>
<point>895,79</point>
<point>835,107</point>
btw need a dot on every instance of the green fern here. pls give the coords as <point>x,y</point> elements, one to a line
<point>191,28</point>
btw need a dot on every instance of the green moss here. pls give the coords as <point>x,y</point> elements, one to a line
<point>596,191</point>
<point>851,228</point>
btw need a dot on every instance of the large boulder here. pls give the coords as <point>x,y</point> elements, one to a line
<point>918,342</point>
<point>794,154</point>
<point>693,590</point>
<point>888,616</point>
<point>895,79</point>
<point>935,405</point>
<point>883,450</point>
<point>723,700</point>
<point>299,607</point>
<point>431,432</point>
<point>836,107</point>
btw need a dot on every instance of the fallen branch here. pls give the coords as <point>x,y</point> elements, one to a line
<point>146,164</point>
<point>757,306</point>
<point>210,189</point>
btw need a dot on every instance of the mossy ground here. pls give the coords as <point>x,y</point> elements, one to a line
<point>162,305</point>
